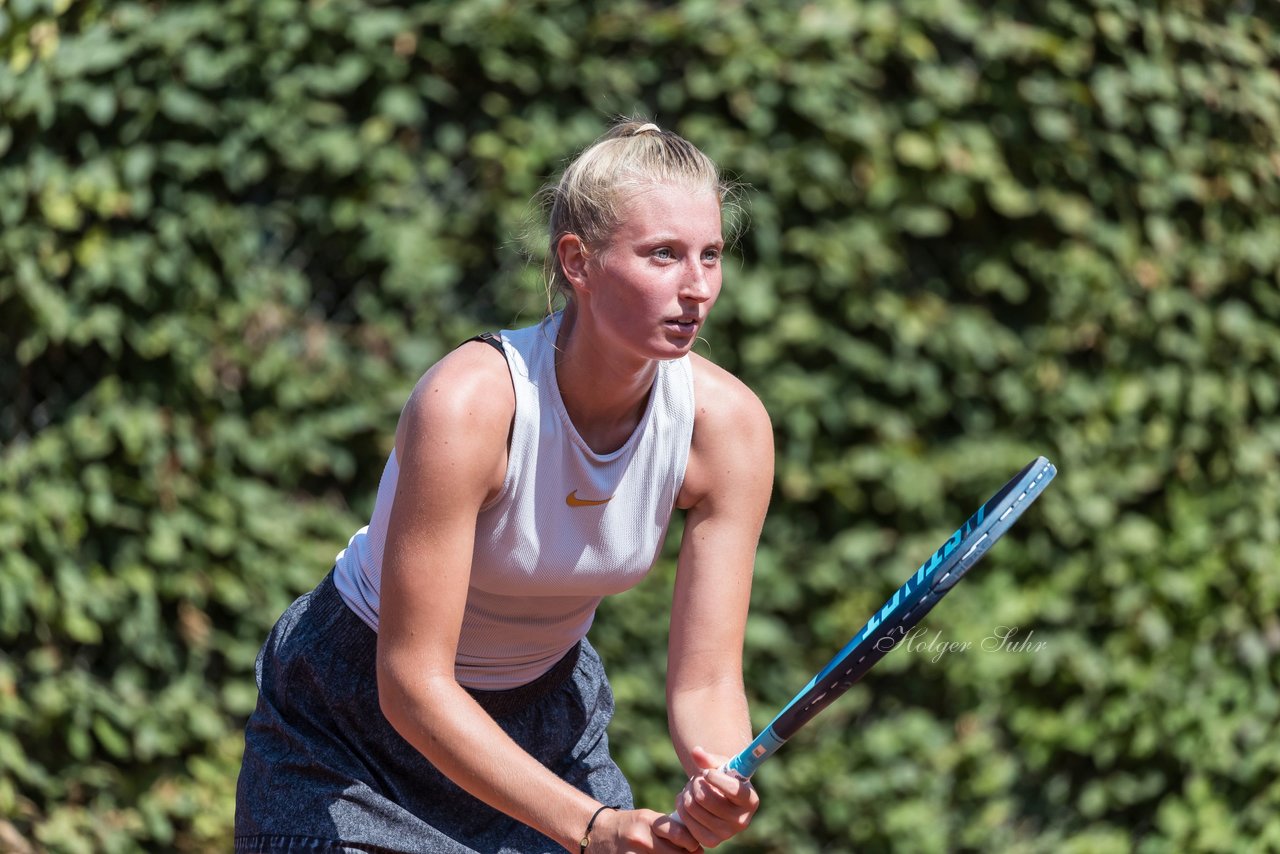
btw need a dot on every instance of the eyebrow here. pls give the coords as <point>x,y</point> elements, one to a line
<point>671,238</point>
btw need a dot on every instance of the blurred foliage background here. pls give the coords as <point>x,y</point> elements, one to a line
<point>233,234</point>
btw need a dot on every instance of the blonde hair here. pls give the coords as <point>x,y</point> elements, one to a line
<point>587,200</point>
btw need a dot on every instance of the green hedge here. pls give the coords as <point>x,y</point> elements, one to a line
<point>233,234</point>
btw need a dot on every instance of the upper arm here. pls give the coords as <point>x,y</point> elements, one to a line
<point>726,493</point>
<point>451,449</point>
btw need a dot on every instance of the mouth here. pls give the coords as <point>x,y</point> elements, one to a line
<point>686,324</point>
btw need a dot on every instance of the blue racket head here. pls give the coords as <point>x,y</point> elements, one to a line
<point>908,605</point>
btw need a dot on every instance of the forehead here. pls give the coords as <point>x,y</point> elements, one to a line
<point>692,213</point>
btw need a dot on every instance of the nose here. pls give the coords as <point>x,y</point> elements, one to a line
<point>698,284</point>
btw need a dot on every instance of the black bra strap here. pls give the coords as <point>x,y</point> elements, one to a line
<point>493,339</point>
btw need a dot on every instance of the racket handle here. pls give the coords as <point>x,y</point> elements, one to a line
<point>726,768</point>
<point>745,763</point>
<point>754,754</point>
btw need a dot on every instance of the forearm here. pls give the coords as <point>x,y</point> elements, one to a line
<point>709,725</point>
<point>456,735</point>
<point>713,716</point>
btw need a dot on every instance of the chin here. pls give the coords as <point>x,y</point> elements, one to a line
<point>676,349</point>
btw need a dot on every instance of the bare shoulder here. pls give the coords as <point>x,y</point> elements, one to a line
<point>732,436</point>
<point>462,406</point>
<point>724,402</point>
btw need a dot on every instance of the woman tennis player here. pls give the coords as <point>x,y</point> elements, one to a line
<point>436,692</point>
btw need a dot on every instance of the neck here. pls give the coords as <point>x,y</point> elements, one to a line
<point>604,394</point>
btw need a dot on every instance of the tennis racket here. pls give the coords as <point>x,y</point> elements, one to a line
<point>935,577</point>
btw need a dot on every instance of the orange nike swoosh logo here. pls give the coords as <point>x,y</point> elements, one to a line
<point>573,500</point>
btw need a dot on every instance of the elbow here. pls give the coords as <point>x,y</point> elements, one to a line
<point>392,693</point>
<point>413,701</point>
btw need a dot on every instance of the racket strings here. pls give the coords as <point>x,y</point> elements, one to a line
<point>906,617</point>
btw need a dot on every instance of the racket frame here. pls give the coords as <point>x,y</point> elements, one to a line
<point>903,610</point>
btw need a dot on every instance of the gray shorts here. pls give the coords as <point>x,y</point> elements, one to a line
<point>323,770</point>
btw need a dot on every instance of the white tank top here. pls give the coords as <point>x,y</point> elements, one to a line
<point>569,526</point>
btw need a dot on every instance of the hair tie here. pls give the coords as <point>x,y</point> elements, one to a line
<point>645,128</point>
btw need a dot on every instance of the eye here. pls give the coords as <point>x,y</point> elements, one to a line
<point>711,256</point>
<point>663,253</point>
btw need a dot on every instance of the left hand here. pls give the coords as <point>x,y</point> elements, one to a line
<point>715,805</point>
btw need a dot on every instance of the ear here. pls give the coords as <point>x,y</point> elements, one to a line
<point>573,257</point>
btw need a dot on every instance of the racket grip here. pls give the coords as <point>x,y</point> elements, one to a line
<point>750,758</point>
<point>726,768</point>
<point>744,764</point>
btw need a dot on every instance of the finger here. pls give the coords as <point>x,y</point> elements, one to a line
<point>712,765</point>
<point>713,768</point>
<point>706,760</point>
<point>676,833</point>
<point>709,817</point>
<point>727,796</point>
<point>702,833</point>
<point>734,787</point>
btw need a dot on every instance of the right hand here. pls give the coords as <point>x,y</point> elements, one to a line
<point>716,804</point>
<point>640,832</point>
